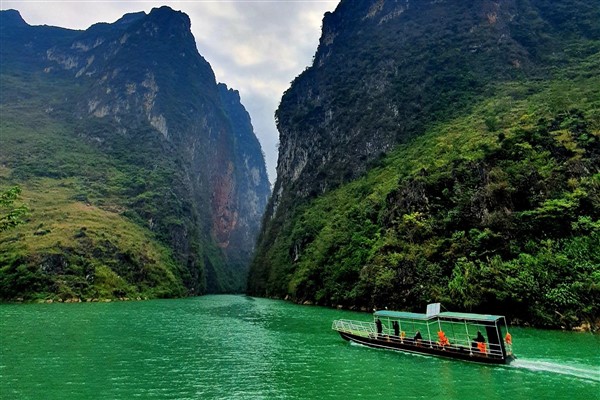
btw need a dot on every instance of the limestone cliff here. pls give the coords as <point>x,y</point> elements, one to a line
<point>385,69</point>
<point>425,155</point>
<point>138,92</point>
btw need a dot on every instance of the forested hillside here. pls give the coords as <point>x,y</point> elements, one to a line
<point>454,157</point>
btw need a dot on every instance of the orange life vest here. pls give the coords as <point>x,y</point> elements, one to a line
<point>443,339</point>
<point>482,347</point>
<point>508,338</point>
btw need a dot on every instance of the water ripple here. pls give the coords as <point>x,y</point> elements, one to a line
<point>234,347</point>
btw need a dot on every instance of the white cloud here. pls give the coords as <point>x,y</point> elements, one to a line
<point>255,46</point>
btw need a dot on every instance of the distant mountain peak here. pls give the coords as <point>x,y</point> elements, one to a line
<point>11,19</point>
<point>167,17</point>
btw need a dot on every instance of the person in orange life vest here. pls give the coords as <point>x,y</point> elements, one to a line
<point>443,340</point>
<point>479,343</point>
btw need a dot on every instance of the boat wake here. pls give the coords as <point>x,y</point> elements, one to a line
<point>586,372</point>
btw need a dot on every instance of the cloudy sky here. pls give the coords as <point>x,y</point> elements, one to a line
<point>255,46</point>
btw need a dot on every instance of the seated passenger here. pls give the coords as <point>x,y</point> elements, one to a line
<point>443,340</point>
<point>479,343</point>
<point>480,338</point>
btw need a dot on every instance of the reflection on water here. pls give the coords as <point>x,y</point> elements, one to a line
<point>235,347</point>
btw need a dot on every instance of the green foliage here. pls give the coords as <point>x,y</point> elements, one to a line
<point>11,214</point>
<point>77,170</point>
<point>69,249</point>
<point>496,211</point>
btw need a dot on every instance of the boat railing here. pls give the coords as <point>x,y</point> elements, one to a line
<point>490,349</point>
<point>354,327</point>
<point>459,343</point>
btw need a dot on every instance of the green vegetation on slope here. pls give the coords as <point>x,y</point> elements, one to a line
<point>115,207</point>
<point>494,211</point>
<point>11,214</point>
<point>71,249</point>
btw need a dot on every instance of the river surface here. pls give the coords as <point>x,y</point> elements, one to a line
<point>237,347</point>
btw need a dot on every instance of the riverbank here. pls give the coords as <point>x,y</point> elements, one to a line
<point>587,326</point>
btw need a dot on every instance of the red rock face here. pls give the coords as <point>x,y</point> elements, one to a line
<point>225,214</point>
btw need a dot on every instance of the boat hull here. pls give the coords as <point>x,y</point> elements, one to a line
<point>424,347</point>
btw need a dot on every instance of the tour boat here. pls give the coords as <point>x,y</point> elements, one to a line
<point>465,336</point>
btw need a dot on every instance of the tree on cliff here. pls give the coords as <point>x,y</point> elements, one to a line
<point>11,214</point>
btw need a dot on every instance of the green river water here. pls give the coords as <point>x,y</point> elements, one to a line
<point>236,347</point>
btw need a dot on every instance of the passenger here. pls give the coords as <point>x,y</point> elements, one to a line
<point>479,343</point>
<point>396,328</point>
<point>443,340</point>
<point>480,338</point>
<point>379,327</point>
<point>418,336</point>
<point>482,347</point>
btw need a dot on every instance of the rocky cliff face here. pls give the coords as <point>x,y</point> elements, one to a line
<point>386,69</point>
<point>139,91</point>
<point>253,190</point>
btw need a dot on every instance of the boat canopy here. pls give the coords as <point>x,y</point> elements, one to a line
<point>443,315</point>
